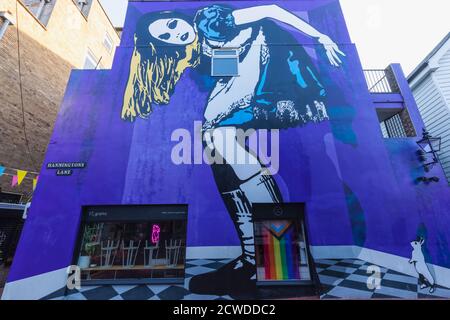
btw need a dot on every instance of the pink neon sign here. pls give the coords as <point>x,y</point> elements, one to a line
<point>155,233</point>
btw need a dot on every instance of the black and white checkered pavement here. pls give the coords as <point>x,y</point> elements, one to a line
<point>340,279</point>
<point>147,292</point>
<point>347,279</point>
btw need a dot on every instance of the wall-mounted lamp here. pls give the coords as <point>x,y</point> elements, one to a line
<point>7,19</point>
<point>429,145</point>
<point>427,180</point>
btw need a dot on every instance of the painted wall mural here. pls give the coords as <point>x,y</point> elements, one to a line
<point>277,87</point>
<point>317,142</point>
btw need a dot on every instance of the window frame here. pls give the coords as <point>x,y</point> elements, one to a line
<point>170,216</point>
<point>225,56</point>
<point>85,15</point>
<point>93,58</point>
<point>108,38</point>
<point>395,123</point>
<point>295,212</point>
<point>44,24</point>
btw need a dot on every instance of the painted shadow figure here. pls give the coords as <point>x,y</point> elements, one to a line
<point>278,87</point>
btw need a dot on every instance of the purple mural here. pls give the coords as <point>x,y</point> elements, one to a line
<point>300,85</point>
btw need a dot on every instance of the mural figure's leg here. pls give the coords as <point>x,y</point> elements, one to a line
<point>422,281</point>
<point>238,195</point>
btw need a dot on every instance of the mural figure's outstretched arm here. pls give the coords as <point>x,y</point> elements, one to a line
<point>252,14</point>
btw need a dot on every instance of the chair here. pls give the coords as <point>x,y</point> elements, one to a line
<point>108,253</point>
<point>131,252</point>
<point>149,253</point>
<point>173,252</point>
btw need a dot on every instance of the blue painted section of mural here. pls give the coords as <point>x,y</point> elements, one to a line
<point>359,189</point>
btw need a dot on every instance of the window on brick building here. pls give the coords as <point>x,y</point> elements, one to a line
<point>395,123</point>
<point>92,62</point>
<point>108,43</point>
<point>4,23</point>
<point>8,197</point>
<point>41,9</point>
<point>84,6</point>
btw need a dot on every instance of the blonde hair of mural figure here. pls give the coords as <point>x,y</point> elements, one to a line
<point>153,80</point>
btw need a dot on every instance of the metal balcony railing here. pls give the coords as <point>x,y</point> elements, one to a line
<point>378,81</point>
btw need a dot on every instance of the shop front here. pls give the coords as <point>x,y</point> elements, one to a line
<point>146,244</point>
<point>11,224</point>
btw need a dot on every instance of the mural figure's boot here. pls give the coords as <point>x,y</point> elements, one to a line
<point>238,278</point>
<point>261,188</point>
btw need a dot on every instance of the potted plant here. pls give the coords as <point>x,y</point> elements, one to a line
<point>89,244</point>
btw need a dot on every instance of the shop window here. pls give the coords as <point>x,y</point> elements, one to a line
<point>41,9</point>
<point>281,247</point>
<point>395,123</point>
<point>135,244</point>
<point>225,62</point>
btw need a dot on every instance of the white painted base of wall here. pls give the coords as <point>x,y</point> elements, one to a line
<point>39,286</point>
<point>36,287</point>
<point>383,259</point>
<point>230,252</point>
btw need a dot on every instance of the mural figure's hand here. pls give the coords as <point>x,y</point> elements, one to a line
<point>331,49</point>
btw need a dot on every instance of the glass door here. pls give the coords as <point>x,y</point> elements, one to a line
<point>281,251</point>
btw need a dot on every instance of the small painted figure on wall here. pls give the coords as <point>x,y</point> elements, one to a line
<point>278,87</point>
<point>426,280</point>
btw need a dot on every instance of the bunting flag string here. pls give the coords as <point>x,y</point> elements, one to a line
<point>14,181</point>
<point>18,176</point>
<point>35,181</point>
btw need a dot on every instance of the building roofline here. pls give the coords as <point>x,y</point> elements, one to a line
<point>107,17</point>
<point>423,64</point>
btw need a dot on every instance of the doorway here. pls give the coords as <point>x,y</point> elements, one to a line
<point>11,224</point>
<point>284,265</point>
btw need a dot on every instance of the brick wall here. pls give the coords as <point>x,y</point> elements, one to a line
<point>48,52</point>
<point>44,76</point>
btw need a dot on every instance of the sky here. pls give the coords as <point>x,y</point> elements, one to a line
<point>384,31</point>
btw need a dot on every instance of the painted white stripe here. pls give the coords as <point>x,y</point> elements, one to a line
<point>350,293</point>
<point>334,252</point>
<point>230,252</point>
<point>36,287</point>
<point>398,293</point>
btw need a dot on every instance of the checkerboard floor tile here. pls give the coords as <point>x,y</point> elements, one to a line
<point>340,279</point>
<point>147,292</point>
<point>347,279</point>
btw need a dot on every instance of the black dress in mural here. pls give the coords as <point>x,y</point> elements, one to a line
<point>277,87</point>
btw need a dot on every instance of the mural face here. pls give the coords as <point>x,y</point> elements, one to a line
<point>277,87</point>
